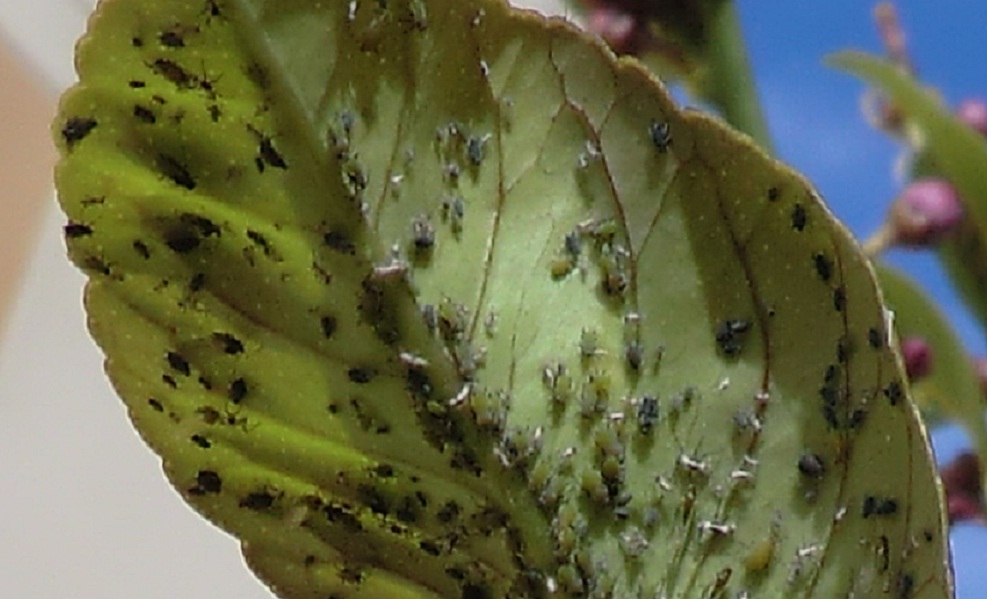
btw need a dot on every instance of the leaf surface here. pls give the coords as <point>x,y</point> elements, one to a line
<point>431,298</point>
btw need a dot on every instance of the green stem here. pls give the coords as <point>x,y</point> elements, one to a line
<point>730,81</point>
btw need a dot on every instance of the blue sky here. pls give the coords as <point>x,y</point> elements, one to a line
<point>814,116</point>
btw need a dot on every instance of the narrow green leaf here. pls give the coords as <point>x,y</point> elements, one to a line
<point>952,387</point>
<point>428,298</point>
<point>948,149</point>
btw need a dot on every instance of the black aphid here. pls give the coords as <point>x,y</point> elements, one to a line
<point>661,135</point>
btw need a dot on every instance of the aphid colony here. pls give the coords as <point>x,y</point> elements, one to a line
<point>595,240</point>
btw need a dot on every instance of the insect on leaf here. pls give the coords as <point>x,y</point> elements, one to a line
<point>431,298</point>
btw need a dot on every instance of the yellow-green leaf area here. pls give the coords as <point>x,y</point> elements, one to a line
<point>429,298</point>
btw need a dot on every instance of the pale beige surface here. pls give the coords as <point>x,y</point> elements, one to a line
<point>26,158</point>
<point>85,512</point>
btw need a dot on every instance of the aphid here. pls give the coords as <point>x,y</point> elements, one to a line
<point>905,586</point>
<point>561,266</point>
<point>589,344</point>
<point>484,69</point>
<point>876,506</point>
<point>451,171</point>
<point>811,465</point>
<point>805,554</point>
<point>391,270</point>
<point>824,266</point>
<point>431,317</point>
<point>237,390</point>
<point>730,334</point>
<point>760,556</point>
<point>454,211</point>
<point>490,323</point>
<point>874,338</point>
<point>560,383</point>
<point>720,584</point>
<point>351,11</point>
<point>594,487</point>
<point>476,149</point>
<point>453,319</point>
<point>633,542</point>
<point>661,135</point>
<point>615,276</point>
<point>799,217</point>
<point>647,414</point>
<point>422,233</point>
<point>893,393</point>
<point>412,361</point>
<point>747,421</point>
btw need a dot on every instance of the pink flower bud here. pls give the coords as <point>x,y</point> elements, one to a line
<point>620,29</point>
<point>980,364</point>
<point>927,211</point>
<point>961,481</point>
<point>973,112</point>
<point>918,357</point>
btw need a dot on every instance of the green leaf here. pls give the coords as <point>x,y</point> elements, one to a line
<point>947,148</point>
<point>429,298</point>
<point>952,387</point>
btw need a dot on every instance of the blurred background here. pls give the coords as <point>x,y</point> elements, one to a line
<point>84,509</point>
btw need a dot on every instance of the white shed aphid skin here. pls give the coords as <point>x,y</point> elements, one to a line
<point>461,396</point>
<point>351,11</point>
<point>693,465</point>
<point>713,529</point>
<point>490,323</point>
<point>484,69</point>
<point>478,18</point>
<point>411,360</point>
<point>396,181</point>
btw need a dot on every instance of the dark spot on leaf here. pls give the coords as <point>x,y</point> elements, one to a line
<point>798,217</point>
<point>773,194</point>
<point>137,84</point>
<point>179,363</point>
<point>384,470</point>
<point>448,512</point>
<point>258,75</point>
<point>372,498</point>
<point>206,481</point>
<point>136,42</point>
<point>839,298</point>
<point>214,112</point>
<point>144,114</point>
<point>824,266</point>
<point>407,510</point>
<point>430,547</point>
<point>237,390</point>
<point>141,248</point>
<point>228,343</point>
<point>201,441</point>
<point>476,591</point>
<point>340,242</point>
<point>258,501</point>
<point>328,324</point>
<point>155,405</point>
<point>361,376</point>
<point>177,172</point>
<point>894,393</point>
<point>76,129</point>
<point>169,380</point>
<point>197,282</point>
<point>75,230</point>
<point>905,586</point>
